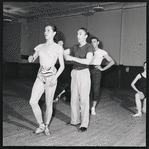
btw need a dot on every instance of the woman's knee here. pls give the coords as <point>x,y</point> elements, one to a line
<point>33,102</point>
<point>137,96</point>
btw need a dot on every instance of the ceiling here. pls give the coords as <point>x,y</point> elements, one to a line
<point>29,10</point>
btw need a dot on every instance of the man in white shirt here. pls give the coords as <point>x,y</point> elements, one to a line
<point>96,69</point>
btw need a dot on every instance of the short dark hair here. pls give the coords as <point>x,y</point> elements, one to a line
<point>59,37</point>
<point>100,45</point>
<point>95,38</point>
<point>54,28</point>
<point>85,30</point>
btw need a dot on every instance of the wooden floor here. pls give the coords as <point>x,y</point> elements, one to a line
<point>113,125</point>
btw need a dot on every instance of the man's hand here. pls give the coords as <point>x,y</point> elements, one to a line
<point>99,67</point>
<point>68,58</point>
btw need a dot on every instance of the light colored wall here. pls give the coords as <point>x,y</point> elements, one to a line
<point>67,25</point>
<point>122,32</point>
<point>133,41</point>
<point>107,27</point>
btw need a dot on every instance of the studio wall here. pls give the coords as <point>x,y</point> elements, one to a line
<point>121,31</point>
<point>106,26</point>
<point>67,25</point>
<point>133,40</point>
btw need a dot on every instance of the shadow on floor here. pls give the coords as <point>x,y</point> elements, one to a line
<point>56,113</point>
<point>9,111</point>
<point>126,101</point>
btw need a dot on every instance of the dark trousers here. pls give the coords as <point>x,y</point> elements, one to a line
<point>95,83</point>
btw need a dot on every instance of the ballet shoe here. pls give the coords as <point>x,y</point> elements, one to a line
<point>40,129</point>
<point>93,111</point>
<point>137,115</point>
<point>47,132</point>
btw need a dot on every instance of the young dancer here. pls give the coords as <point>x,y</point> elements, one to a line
<point>47,76</point>
<point>81,55</point>
<point>96,69</point>
<point>141,91</point>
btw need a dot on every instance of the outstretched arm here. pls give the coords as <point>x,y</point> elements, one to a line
<point>86,60</point>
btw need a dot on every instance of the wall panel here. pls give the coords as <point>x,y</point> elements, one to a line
<point>11,42</point>
<point>133,49</point>
<point>106,26</point>
<point>33,36</point>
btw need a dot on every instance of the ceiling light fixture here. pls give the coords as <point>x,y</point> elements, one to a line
<point>98,8</point>
<point>93,10</point>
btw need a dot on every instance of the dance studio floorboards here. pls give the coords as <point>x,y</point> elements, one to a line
<point>113,125</point>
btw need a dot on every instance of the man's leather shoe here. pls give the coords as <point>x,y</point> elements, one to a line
<point>82,129</point>
<point>69,123</point>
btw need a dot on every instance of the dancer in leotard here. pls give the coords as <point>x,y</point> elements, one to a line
<point>48,52</point>
<point>141,91</point>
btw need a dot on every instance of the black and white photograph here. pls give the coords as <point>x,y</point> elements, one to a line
<point>74,74</point>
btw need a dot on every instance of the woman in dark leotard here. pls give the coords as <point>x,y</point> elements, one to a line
<point>141,91</point>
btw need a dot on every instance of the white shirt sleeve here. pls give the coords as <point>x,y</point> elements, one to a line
<point>38,47</point>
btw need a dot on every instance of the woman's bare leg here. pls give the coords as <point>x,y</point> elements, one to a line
<point>138,98</point>
<point>37,91</point>
<point>49,105</point>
